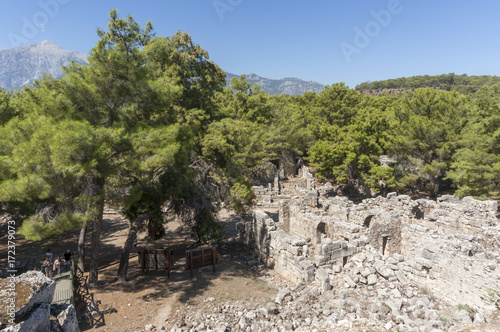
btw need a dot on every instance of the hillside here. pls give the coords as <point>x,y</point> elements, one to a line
<point>461,83</point>
<point>20,66</point>
<point>288,85</point>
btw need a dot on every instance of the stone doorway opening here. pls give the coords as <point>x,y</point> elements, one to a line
<point>385,239</point>
<point>368,220</point>
<point>320,232</point>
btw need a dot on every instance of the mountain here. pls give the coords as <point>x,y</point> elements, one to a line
<point>287,85</point>
<point>20,66</point>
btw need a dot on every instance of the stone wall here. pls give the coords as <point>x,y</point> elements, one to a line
<point>418,261</point>
<point>290,255</point>
<point>277,249</point>
<point>448,213</point>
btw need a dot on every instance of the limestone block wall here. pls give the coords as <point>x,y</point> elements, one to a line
<point>460,267</point>
<point>275,248</point>
<point>379,221</point>
<point>290,255</point>
<point>268,196</point>
<point>316,225</point>
<point>448,213</point>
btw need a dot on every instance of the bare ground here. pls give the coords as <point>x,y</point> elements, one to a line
<point>153,298</point>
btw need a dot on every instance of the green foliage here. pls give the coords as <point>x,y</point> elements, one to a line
<point>467,308</point>
<point>424,290</point>
<point>427,125</point>
<point>350,143</point>
<point>117,123</point>
<point>135,125</point>
<point>36,229</point>
<point>476,164</point>
<point>7,111</point>
<point>460,83</point>
<point>180,60</point>
<point>207,228</point>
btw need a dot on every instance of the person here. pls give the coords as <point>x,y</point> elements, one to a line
<point>50,255</point>
<point>57,266</point>
<point>67,257</point>
<point>47,267</point>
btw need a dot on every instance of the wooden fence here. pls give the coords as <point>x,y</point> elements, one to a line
<point>200,257</point>
<point>155,259</point>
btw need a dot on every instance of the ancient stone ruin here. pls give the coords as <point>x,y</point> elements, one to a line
<point>387,262</point>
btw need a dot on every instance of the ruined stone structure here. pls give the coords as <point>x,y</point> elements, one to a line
<point>449,247</point>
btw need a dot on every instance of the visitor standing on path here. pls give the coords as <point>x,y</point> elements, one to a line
<point>50,255</point>
<point>47,267</point>
<point>57,266</point>
<point>67,257</point>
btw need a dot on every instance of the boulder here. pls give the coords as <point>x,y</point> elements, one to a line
<point>66,316</point>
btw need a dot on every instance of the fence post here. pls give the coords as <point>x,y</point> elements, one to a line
<point>214,256</point>
<point>191,262</point>
<point>168,258</point>
<point>143,261</point>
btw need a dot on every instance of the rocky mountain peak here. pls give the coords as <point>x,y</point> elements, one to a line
<point>287,85</point>
<point>20,66</point>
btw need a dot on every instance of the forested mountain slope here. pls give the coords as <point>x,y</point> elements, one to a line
<point>461,83</point>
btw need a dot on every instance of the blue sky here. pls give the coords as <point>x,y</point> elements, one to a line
<point>327,41</point>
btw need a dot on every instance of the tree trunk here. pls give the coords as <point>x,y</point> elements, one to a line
<point>96,238</point>
<point>127,247</point>
<point>81,247</point>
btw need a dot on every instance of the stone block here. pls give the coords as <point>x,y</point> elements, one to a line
<point>336,268</point>
<point>322,274</point>
<point>296,251</point>
<point>321,260</point>
<point>359,242</point>
<point>428,255</point>
<point>385,272</point>
<point>398,257</point>
<point>401,278</point>
<point>66,316</point>
<point>391,260</point>
<point>307,276</point>
<point>336,254</point>
<point>297,242</point>
<point>464,236</point>
<point>269,222</point>
<point>307,265</point>
<point>327,248</point>
<point>298,259</point>
<point>366,272</point>
<point>426,263</point>
<point>349,281</point>
<point>371,279</point>
<point>38,319</point>
<point>40,287</point>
